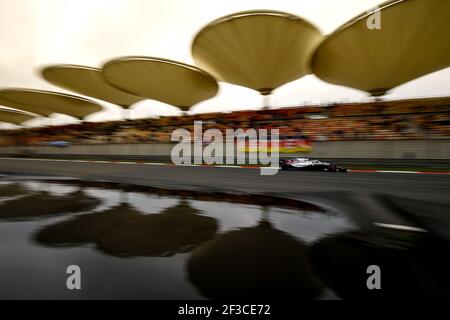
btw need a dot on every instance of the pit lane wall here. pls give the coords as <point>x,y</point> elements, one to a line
<point>389,149</point>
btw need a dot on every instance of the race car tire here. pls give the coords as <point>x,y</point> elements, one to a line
<point>332,169</point>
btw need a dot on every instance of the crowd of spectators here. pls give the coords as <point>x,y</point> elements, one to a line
<point>381,120</point>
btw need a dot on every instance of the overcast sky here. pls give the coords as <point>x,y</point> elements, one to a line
<point>35,33</point>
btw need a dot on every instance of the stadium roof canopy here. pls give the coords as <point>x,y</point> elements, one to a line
<point>261,50</point>
<point>14,117</point>
<point>413,41</point>
<point>88,81</point>
<point>171,82</point>
<point>45,102</point>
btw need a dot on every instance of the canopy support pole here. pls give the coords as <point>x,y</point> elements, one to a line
<point>126,114</point>
<point>266,102</point>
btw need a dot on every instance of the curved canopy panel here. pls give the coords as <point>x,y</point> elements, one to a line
<point>171,82</point>
<point>412,42</point>
<point>88,81</point>
<point>261,50</point>
<point>14,117</point>
<point>18,106</point>
<point>46,102</point>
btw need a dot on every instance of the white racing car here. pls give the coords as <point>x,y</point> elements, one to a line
<point>305,164</point>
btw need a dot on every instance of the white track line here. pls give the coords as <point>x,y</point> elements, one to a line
<point>399,227</point>
<point>392,171</point>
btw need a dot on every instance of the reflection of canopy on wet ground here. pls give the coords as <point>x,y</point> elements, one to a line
<point>413,41</point>
<point>45,102</point>
<point>342,261</point>
<point>167,81</point>
<point>254,262</point>
<point>251,199</point>
<point>12,190</point>
<point>259,49</point>
<point>89,82</point>
<point>44,204</point>
<point>123,231</point>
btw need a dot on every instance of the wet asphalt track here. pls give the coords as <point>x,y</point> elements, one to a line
<point>352,193</point>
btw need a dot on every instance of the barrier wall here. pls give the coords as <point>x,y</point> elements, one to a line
<point>395,149</point>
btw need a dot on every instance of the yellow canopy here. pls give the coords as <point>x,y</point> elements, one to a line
<point>46,102</point>
<point>413,41</point>
<point>261,50</point>
<point>88,81</point>
<point>10,116</point>
<point>171,82</point>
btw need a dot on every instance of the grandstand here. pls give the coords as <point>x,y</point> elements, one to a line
<point>414,119</point>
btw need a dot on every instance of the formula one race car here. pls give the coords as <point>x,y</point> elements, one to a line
<point>305,164</point>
